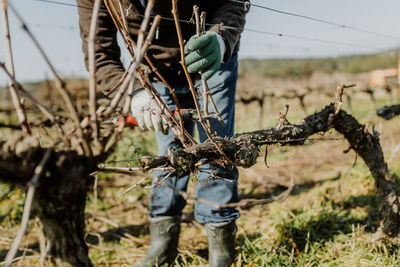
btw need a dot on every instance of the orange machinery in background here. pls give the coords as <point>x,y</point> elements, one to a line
<point>384,78</point>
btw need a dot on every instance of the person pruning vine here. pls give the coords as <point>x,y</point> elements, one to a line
<point>213,57</point>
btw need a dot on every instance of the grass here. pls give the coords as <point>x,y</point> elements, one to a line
<point>329,220</point>
<point>326,226</point>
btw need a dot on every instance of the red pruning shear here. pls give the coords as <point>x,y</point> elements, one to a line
<point>186,114</point>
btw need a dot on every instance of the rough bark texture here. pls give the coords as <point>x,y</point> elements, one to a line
<point>59,203</point>
<point>60,195</point>
<point>18,159</point>
<point>389,112</point>
<point>367,146</point>
<point>242,149</point>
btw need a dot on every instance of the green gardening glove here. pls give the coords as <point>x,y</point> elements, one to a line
<point>204,54</point>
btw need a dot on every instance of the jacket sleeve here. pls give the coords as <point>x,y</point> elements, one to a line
<point>228,19</point>
<point>109,68</point>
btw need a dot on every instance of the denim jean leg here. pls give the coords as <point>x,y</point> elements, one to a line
<point>216,183</point>
<point>163,200</point>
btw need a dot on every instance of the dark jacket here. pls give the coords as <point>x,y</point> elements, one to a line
<point>164,51</point>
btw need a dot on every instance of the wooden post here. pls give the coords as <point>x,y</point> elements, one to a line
<point>397,96</point>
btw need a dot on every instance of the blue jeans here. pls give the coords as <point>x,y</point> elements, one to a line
<point>163,200</point>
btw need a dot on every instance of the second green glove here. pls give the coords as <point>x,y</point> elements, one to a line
<point>203,54</point>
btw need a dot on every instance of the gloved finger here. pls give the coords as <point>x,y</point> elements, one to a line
<point>157,121</point>
<point>203,63</point>
<point>198,54</point>
<point>140,120</point>
<point>137,108</point>
<point>165,126</point>
<point>196,43</point>
<point>211,71</point>
<point>147,119</point>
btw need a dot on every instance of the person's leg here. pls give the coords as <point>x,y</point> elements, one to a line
<point>163,200</point>
<point>165,204</point>
<point>210,186</point>
<point>216,183</point>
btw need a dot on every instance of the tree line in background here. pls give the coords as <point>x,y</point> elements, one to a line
<point>292,67</point>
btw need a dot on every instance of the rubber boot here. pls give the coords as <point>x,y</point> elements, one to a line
<point>164,233</point>
<point>221,243</point>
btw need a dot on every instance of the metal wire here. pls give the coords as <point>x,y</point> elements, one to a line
<point>322,21</point>
<point>298,37</point>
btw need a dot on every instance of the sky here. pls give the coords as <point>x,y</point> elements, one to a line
<point>56,28</point>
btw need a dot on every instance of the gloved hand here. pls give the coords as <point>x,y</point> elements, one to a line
<point>147,113</point>
<point>205,53</point>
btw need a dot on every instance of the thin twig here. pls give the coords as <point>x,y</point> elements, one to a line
<point>143,45</point>
<point>338,100</point>
<point>95,194</point>
<point>119,23</point>
<point>183,132</point>
<point>107,221</point>
<point>125,35</point>
<point>206,90</point>
<point>140,50</point>
<point>18,86</point>
<point>134,185</point>
<point>118,95</point>
<point>139,57</point>
<point>92,72</point>
<point>117,85</point>
<point>100,238</point>
<point>190,82</point>
<point>124,169</point>
<point>182,129</point>
<point>163,107</point>
<point>199,32</point>
<point>14,96</point>
<point>42,242</point>
<point>22,257</point>
<point>182,62</point>
<point>42,108</point>
<point>253,202</point>
<point>185,195</point>
<point>130,79</point>
<point>121,9</point>
<point>142,30</point>
<point>61,85</point>
<point>113,13</point>
<point>46,133</point>
<point>170,173</point>
<point>127,171</point>
<point>27,208</point>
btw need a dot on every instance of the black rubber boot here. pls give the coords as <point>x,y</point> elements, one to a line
<point>164,233</point>
<point>221,243</point>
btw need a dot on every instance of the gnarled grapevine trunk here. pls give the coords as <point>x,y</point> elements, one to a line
<point>367,145</point>
<point>389,112</point>
<point>60,195</point>
<point>242,149</point>
<point>59,203</point>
